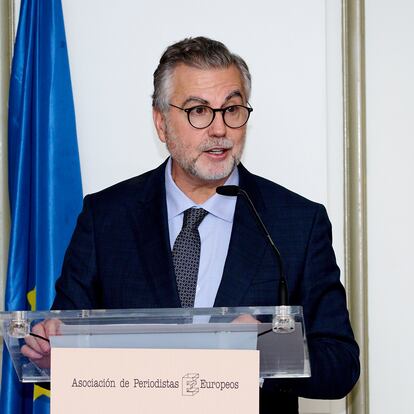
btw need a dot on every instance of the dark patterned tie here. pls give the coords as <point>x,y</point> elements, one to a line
<point>186,255</point>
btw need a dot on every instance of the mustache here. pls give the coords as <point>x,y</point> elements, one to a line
<point>209,144</point>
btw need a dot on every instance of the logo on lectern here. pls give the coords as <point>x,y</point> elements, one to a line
<point>189,384</point>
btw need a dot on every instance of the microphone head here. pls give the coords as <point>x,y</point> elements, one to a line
<point>228,190</point>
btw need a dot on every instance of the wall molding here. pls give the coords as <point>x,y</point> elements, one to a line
<point>6,46</point>
<point>353,28</point>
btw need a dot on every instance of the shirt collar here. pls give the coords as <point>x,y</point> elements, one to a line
<point>220,206</point>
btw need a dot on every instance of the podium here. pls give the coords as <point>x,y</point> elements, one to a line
<point>278,333</point>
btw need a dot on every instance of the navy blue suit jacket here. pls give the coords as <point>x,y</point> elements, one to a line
<point>120,257</point>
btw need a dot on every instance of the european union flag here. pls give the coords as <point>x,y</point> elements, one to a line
<point>44,176</point>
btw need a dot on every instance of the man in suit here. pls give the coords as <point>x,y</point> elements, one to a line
<point>124,252</point>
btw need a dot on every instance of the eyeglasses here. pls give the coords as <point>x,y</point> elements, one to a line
<point>202,116</point>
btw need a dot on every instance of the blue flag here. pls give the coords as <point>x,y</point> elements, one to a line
<point>44,176</point>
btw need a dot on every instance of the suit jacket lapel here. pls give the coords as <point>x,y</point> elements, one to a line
<point>246,249</point>
<point>150,219</point>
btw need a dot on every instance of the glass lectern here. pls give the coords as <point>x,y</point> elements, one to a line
<point>277,332</point>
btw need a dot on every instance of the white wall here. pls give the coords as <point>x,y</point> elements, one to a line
<point>390,148</point>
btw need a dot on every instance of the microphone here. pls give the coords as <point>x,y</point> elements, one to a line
<point>234,191</point>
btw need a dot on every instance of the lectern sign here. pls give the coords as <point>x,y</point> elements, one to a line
<point>185,381</point>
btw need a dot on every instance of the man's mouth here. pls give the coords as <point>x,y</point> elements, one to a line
<point>217,151</point>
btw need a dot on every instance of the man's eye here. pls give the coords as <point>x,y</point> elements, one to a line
<point>233,109</point>
<point>199,110</point>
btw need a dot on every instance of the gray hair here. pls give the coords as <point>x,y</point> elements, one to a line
<point>198,52</point>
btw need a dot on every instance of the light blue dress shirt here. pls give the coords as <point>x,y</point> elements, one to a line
<point>215,232</point>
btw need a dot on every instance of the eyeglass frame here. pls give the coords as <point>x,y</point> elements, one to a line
<point>222,110</point>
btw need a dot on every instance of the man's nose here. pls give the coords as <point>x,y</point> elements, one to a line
<point>217,127</point>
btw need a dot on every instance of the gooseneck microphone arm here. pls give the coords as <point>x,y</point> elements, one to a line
<point>234,191</point>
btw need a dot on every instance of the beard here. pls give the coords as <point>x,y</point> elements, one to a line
<point>198,167</point>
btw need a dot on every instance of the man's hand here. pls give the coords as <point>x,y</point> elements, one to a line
<point>245,318</point>
<point>38,349</point>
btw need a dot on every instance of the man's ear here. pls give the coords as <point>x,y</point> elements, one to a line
<point>160,124</point>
